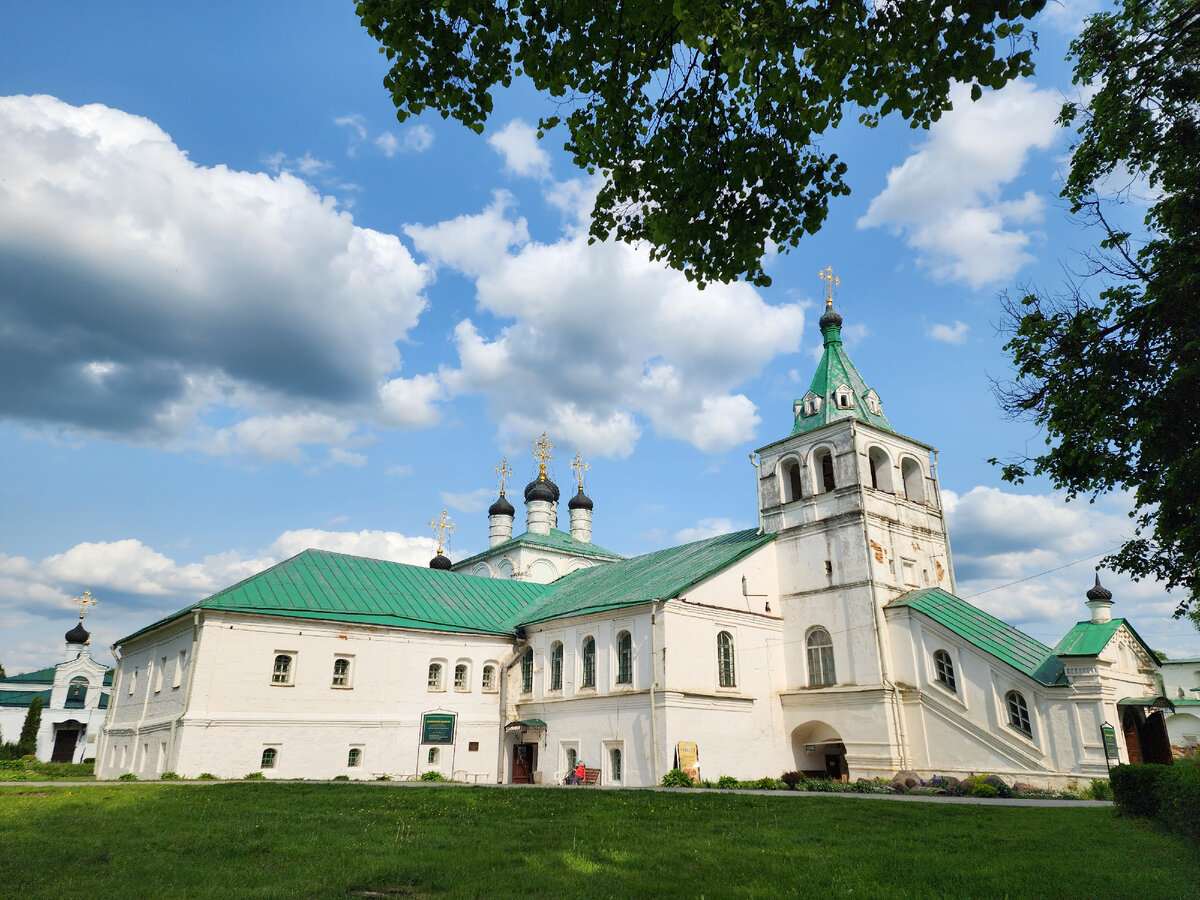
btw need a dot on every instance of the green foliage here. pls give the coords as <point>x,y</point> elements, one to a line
<point>169,776</point>
<point>677,778</point>
<point>206,776</point>
<point>1168,794</point>
<point>128,776</point>
<point>984,791</point>
<point>433,776</point>
<point>27,742</point>
<point>791,779</point>
<point>340,778</point>
<point>1113,380</point>
<point>383,777</point>
<point>32,770</point>
<point>1101,789</point>
<point>253,776</point>
<point>1136,789</point>
<point>702,120</point>
<point>727,782</point>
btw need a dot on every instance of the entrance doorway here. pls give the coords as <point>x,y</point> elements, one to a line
<point>835,763</point>
<point>64,745</point>
<point>524,762</point>
<point>1146,739</point>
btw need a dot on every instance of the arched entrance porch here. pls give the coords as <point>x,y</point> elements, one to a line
<point>819,751</point>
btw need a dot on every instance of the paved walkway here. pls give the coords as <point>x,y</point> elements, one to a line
<point>900,798</point>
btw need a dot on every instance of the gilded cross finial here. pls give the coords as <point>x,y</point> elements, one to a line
<point>441,527</point>
<point>541,452</point>
<point>580,467</point>
<point>503,471</point>
<point>84,602</point>
<point>831,281</point>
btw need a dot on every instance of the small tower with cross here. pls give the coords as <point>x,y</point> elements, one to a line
<point>501,513</point>
<point>78,637</point>
<point>541,494</point>
<point>442,526</point>
<point>580,506</point>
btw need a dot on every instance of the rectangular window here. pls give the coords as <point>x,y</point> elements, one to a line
<point>158,681</point>
<point>132,681</point>
<point>179,669</point>
<point>472,746</point>
<point>910,572</point>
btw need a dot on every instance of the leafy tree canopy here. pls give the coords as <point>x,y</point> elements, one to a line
<point>1115,380</point>
<point>702,117</point>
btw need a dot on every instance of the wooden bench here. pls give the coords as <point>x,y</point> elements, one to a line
<point>592,776</point>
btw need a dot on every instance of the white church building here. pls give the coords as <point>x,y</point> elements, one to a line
<point>828,640</point>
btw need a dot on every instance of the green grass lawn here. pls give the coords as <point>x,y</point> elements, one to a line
<point>339,840</point>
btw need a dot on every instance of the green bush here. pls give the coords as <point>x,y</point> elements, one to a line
<point>1101,789</point>
<point>128,776</point>
<point>1179,801</point>
<point>791,779</point>
<point>341,778</point>
<point>433,776</point>
<point>383,777</point>
<point>766,784</point>
<point>169,776</point>
<point>1136,790</point>
<point>253,776</point>
<point>677,778</point>
<point>985,791</point>
<point>206,776</point>
<point>727,782</point>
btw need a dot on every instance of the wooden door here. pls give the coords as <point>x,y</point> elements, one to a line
<point>64,746</point>
<point>1133,744</point>
<point>524,761</point>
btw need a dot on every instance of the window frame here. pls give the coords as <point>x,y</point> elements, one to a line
<point>488,678</point>
<point>269,758</point>
<point>462,685</point>
<point>344,684</point>
<point>726,659</point>
<point>822,665</point>
<point>354,758</point>
<point>943,670</point>
<point>624,649</point>
<point>284,676</point>
<point>588,663</point>
<point>1019,718</point>
<point>527,671</point>
<point>434,680</point>
<point>556,666</point>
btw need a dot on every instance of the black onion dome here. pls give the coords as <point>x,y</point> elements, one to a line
<point>501,507</point>
<point>1099,592</point>
<point>541,490</point>
<point>441,561</point>
<point>580,501</point>
<point>78,634</point>
<point>830,318</point>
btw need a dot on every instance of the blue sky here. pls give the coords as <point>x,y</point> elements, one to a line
<point>245,312</point>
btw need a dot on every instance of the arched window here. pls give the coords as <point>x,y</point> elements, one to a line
<point>270,754</point>
<point>624,658</point>
<point>433,756</point>
<point>820,658</point>
<point>823,463</point>
<point>435,677</point>
<point>354,760</point>
<point>943,668</point>
<point>614,764</point>
<point>283,670</point>
<point>489,678</point>
<point>1018,713</point>
<point>341,673</point>
<point>726,673</point>
<point>881,469</point>
<point>76,693</point>
<point>790,476</point>
<point>527,670</point>
<point>461,676</point>
<point>572,758</point>
<point>914,480</point>
<point>556,666</point>
<point>589,663</point>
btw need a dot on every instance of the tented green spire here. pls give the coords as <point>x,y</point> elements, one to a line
<point>837,390</point>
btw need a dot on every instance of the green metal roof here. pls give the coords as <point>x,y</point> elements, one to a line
<point>22,698</point>
<point>1025,654</point>
<point>555,540</point>
<point>833,371</point>
<point>1088,639</point>
<point>41,676</point>
<point>661,575</point>
<point>319,584</point>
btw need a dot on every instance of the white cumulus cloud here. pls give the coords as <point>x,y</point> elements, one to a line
<point>950,334</point>
<point>518,143</point>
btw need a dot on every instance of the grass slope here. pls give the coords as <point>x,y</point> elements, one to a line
<point>335,840</point>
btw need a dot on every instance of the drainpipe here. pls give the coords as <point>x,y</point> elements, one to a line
<point>758,490</point>
<point>516,658</point>
<point>937,487</point>
<point>654,685</point>
<point>876,612</point>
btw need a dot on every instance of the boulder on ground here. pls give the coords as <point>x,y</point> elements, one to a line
<point>951,781</point>
<point>995,781</point>
<point>1019,786</point>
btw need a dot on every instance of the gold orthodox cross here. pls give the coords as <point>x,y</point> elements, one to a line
<point>84,602</point>
<point>580,467</point>
<point>541,452</point>
<point>503,471</point>
<point>441,527</point>
<point>831,281</point>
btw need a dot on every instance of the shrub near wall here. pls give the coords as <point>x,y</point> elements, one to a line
<point>1168,794</point>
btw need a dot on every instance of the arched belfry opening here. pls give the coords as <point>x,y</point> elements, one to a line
<point>789,476</point>
<point>823,470</point>
<point>914,480</point>
<point>880,469</point>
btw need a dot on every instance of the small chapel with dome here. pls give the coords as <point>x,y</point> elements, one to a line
<point>828,640</point>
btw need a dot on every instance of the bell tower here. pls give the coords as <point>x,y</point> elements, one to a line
<point>857,513</point>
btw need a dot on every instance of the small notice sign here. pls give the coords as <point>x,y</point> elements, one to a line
<point>437,728</point>
<point>688,754</point>
<point>1110,741</point>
